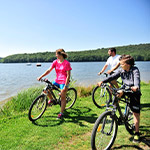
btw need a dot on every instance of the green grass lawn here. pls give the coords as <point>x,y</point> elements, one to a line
<point>74,132</point>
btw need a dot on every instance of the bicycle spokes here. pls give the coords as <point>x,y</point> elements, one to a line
<point>38,107</point>
<point>101,96</point>
<point>104,131</point>
<point>71,97</point>
<point>68,99</point>
<point>40,104</point>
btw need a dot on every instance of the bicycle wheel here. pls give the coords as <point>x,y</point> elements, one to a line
<point>104,131</point>
<point>37,108</point>
<point>101,96</point>
<point>129,123</point>
<point>71,97</point>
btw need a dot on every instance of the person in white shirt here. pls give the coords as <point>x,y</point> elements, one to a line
<point>113,62</point>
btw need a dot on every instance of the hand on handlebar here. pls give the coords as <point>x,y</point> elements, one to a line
<point>39,78</point>
<point>99,73</point>
<point>42,80</point>
<point>109,71</point>
<point>134,88</point>
<point>99,83</point>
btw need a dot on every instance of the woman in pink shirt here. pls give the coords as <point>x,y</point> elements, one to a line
<point>63,71</point>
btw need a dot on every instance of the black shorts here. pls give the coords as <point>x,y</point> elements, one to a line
<point>135,101</point>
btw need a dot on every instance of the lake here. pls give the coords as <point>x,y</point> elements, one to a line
<point>19,76</point>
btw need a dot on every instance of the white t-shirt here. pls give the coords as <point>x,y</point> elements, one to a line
<point>113,61</point>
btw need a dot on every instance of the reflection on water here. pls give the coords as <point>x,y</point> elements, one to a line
<point>16,77</point>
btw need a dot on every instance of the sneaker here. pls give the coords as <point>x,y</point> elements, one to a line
<point>60,116</point>
<point>136,138</point>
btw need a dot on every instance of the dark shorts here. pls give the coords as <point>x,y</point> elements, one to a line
<point>135,102</point>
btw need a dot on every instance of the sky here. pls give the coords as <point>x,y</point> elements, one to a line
<point>30,26</point>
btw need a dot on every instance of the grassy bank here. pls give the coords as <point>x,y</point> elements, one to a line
<point>74,132</point>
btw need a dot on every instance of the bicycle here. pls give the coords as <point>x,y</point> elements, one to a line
<point>40,104</point>
<point>102,95</point>
<point>106,126</point>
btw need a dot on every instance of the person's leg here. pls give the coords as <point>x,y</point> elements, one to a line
<point>51,100</point>
<point>136,138</point>
<point>49,95</point>
<point>135,107</point>
<point>114,82</point>
<point>136,121</point>
<point>63,101</point>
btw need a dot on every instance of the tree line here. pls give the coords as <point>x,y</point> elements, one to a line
<point>140,52</point>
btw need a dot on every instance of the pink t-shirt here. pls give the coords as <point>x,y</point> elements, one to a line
<point>61,70</point>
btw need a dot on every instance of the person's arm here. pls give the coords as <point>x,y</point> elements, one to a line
<point>67,80</point>
<point>45,73</point>
<point>104,68</point>
<point>68,77</point>
<point>110,71</point>
<point>110,78</point>
<point>136,76</point>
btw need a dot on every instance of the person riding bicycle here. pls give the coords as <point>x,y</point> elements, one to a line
<point>63,71</point>
<point>130,76</point>
<point>114,63</point>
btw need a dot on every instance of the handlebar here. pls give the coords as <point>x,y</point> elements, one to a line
<point>114,90</point>
<point>125,90</point>
<point>46,81</point>
<point>106,74</point>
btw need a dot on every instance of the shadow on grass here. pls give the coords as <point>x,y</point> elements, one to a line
<point>143,139</point>
<point>75,115</point>
<point>145,129</point>
<point>79,115</point>
<point>47,121</point>
<point>128,147</point>
<point>146,140</point>
<point>145,106</point>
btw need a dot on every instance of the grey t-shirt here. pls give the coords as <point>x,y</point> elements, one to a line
<point>130,78</point>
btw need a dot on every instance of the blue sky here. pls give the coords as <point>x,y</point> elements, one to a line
<point>29,26</point>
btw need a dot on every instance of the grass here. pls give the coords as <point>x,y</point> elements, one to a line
<point>74,132</point>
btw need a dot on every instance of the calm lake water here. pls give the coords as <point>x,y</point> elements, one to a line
<point>16,77</point>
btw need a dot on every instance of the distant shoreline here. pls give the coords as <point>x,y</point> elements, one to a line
<point>69,61</point>
<point>140,52</point>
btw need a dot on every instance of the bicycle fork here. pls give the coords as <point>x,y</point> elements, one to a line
<point>103,91</point>
<point>111,125</point>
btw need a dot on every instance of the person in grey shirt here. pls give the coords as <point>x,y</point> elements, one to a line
<point>130,76</point>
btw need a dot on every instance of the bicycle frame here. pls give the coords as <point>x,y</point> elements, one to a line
<point>49,88</point>
<point>116,106</point>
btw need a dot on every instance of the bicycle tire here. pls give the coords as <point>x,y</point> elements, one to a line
<point>104,132</point>
<point>100,99</point>
<point>129,124</point>
<point>37,108</point>
<point>71,97</point>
